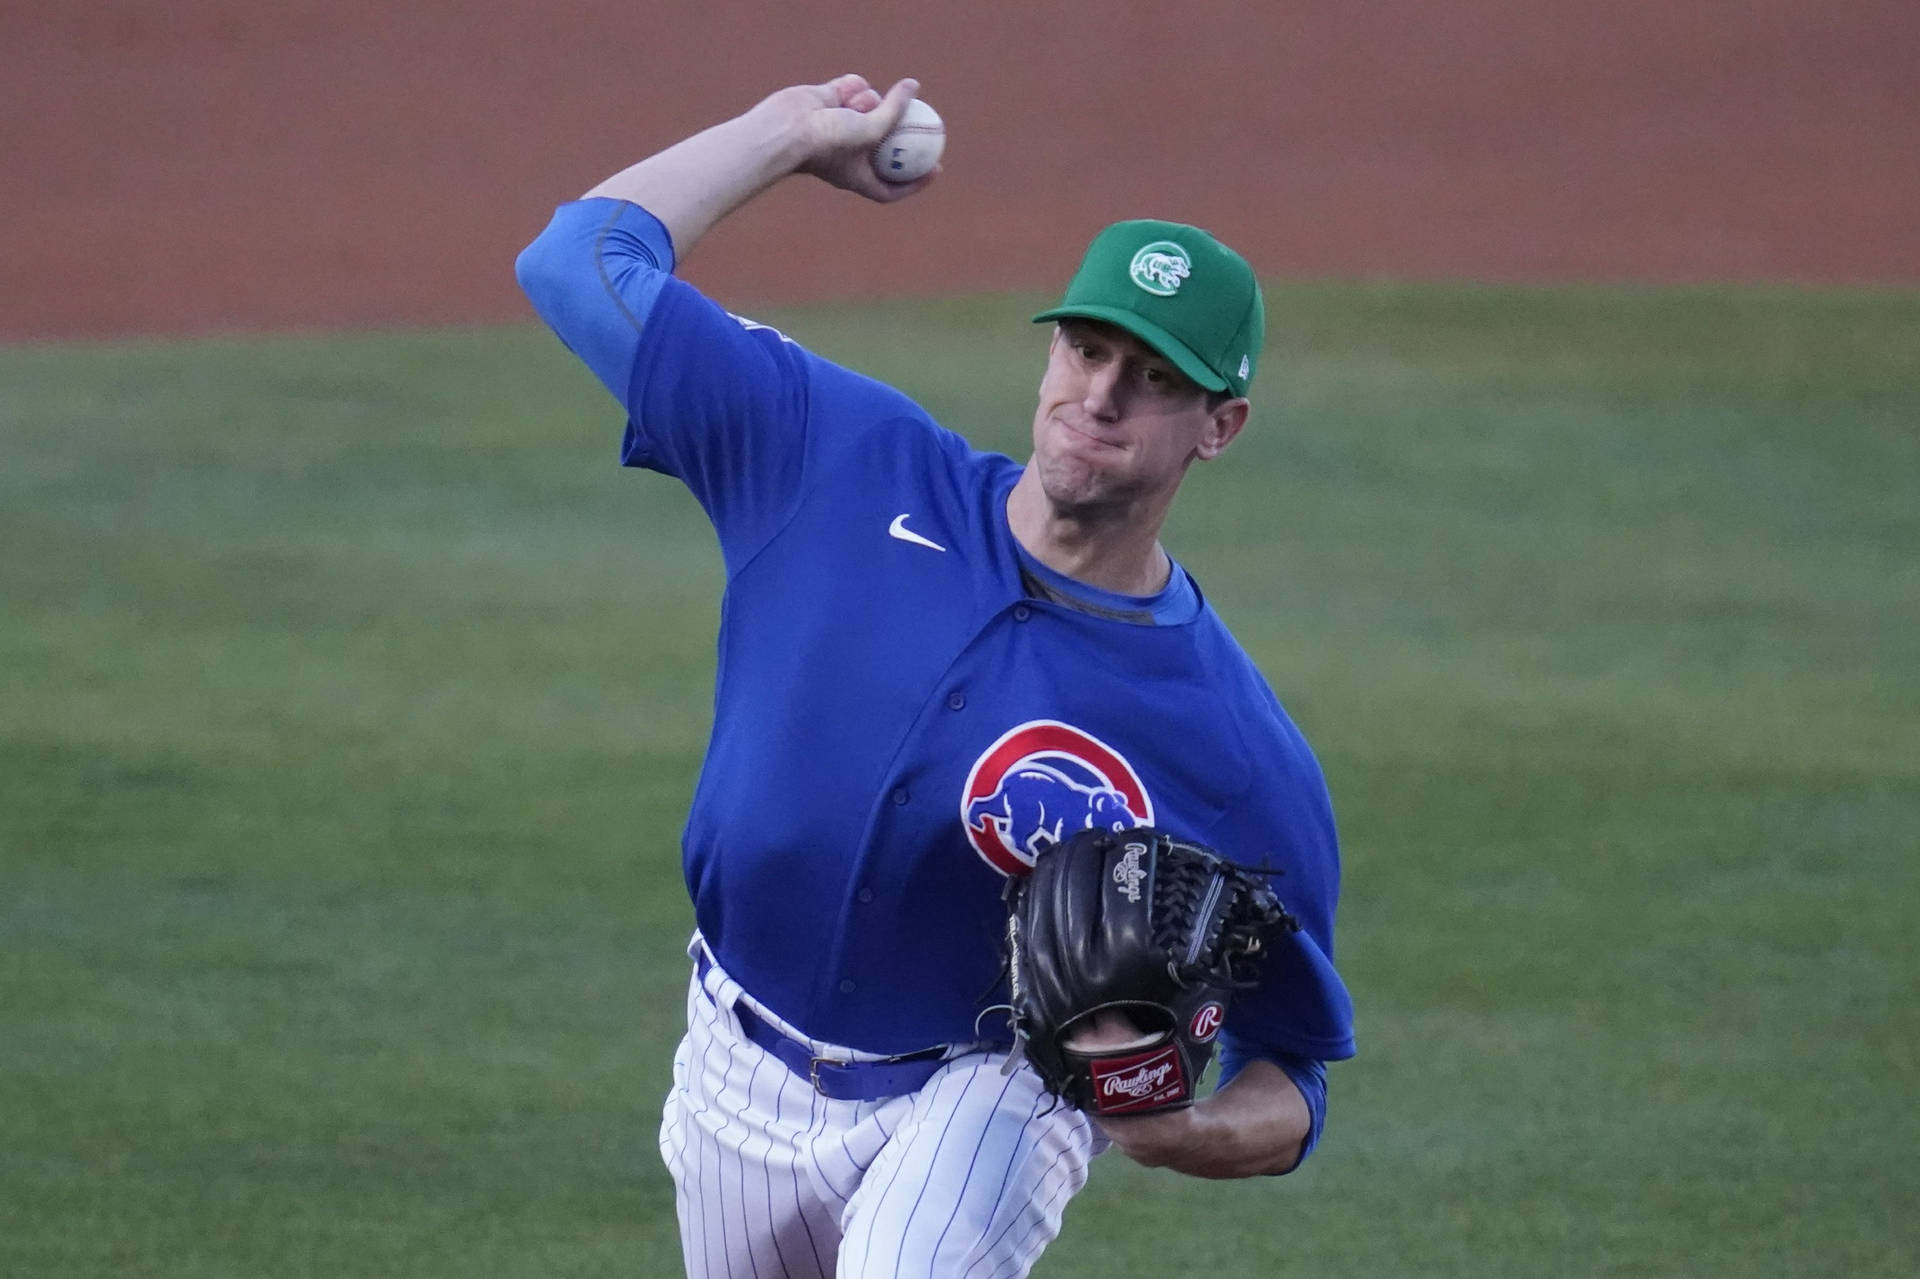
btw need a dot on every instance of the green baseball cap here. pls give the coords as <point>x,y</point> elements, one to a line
<point>1180,291</point>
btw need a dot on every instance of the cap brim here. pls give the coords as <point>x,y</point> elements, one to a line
<point>1152,334</point>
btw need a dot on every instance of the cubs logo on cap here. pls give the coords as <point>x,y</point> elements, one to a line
<point>1041,782</point>
<point>1160,268</point>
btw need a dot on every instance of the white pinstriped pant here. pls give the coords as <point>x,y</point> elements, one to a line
<point>966,1178</point>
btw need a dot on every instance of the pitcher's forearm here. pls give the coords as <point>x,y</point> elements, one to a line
<point>1257,1125</point>
<point>828,130</point>
<point>694,183</point>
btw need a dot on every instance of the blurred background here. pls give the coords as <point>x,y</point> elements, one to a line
<point>209,165</point>
<point>351,697</point>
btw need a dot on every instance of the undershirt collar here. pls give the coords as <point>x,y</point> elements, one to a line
<point>1175,603</point>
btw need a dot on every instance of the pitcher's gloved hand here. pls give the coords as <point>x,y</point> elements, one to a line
<point>1124,949</point>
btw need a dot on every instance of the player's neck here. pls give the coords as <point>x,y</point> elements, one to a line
<point>1115,551</point>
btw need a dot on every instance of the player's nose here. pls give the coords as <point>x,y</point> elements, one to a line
<point>1102,397</point>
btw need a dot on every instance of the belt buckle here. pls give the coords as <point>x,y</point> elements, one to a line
<point>813,1072</point>
<point>815,1063</point>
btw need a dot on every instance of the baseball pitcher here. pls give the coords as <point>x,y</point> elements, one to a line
<point>1000,834</point>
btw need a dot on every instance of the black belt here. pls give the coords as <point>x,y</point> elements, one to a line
<point>832,1078</point>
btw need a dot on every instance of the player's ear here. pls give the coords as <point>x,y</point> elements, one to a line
<point>1224,424</point>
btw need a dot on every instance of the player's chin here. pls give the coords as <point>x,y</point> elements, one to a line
<point>1073,484</point>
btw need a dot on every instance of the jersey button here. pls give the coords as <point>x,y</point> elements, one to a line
<point>1021,612</point>
<point>956,701</point>
<point>899,794</point>
<point>846,986</point>
<point>865,895</point>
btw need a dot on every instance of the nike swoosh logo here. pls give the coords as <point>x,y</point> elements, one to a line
<point>900,530</point>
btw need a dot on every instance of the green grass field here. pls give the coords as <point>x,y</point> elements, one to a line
<point>351,697</point>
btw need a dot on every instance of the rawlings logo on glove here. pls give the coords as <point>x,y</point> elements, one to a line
<point>1128,873</point>
<point>1123,952</point>
<point>1122,1084</point>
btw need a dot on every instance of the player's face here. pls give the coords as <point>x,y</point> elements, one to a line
<point>1117,423</point>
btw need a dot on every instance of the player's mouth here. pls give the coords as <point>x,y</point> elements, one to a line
<point>1084,437</point>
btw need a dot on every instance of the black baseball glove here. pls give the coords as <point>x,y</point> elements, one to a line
<point>1124,949</point>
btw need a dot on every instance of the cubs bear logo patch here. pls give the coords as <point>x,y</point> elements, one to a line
<point>1041,782</point>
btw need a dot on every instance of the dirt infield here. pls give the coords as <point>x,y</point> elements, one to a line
<point>215,165</point>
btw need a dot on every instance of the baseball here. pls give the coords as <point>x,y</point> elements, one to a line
<point>914,146</point>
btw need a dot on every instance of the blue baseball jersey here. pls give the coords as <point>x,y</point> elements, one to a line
<point>907,707</point>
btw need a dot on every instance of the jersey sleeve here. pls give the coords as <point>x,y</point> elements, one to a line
<point>717,402</point>
<point>1301,1007</point>
<point>594,275</point>
<point>1301,1015</point>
